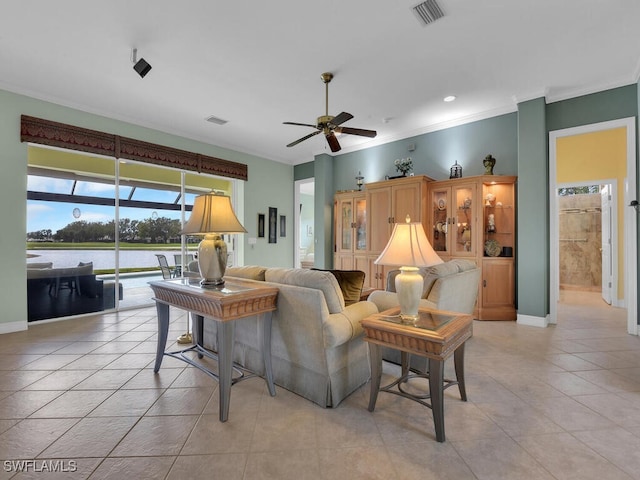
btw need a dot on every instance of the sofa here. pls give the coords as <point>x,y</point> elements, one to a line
<point>48,297</point>
<point>317,345</point>
<point>451,286</point>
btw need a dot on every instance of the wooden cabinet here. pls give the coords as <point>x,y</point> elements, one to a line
<point>474,218</point>
<point>390,202</point>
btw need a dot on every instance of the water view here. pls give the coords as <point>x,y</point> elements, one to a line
<point>101,259</point>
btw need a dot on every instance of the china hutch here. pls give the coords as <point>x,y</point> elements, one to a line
<point>472,218</point>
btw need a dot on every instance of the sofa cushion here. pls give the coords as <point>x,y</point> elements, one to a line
<point>251,272</point>
<point>302,277</point>
<point>437,271</point>
<point>463,265</point>
<point>351,283</point>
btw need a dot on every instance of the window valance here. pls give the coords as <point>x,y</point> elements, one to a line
<point>55,134</point>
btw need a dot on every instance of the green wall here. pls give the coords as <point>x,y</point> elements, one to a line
<point>532,233</point>
<point>258,194</point>
<point>433,153</point>
<point>598,107</point>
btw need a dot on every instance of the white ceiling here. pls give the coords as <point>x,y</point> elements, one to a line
<point>258,64</point>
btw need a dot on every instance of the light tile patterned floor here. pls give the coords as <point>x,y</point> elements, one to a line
<point>555,403</point>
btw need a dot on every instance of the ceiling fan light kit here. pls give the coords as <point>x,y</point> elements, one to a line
<point>330,125</point>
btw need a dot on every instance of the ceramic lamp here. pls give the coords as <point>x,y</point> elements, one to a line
<point>212,215</point>
<point>409,249</point>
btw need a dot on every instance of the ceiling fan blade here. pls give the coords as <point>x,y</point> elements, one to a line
<point>333,142</point>
<point>300,124</point>
<point>304,138</point>
<point>357,131</point>
<point>341,118</point>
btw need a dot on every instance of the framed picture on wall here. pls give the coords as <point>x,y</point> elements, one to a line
<point>283,225</point>
<point>261,225</point>
<point>273,225</point>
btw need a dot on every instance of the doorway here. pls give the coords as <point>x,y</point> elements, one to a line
<point>587,228</point>
<point>304,223</point>
<point>598,154</point>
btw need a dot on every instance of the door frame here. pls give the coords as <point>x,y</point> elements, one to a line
<point>298,185</point>
<point>630,217</point>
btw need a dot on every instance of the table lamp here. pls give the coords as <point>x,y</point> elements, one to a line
<point>409,249</point>
<point>212,215</point>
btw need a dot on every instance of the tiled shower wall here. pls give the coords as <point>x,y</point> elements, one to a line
<point>580,242</point>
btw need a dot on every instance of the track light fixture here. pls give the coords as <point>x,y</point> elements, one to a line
<point>141,66</point>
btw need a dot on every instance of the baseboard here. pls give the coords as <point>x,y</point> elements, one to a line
<point>531,321</point>
<point>11,327</point>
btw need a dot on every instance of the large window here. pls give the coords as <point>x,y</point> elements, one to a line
<point>97,226</point>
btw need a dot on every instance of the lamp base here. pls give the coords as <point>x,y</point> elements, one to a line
<point>213,284</point>
<point>409,285</point>
<point>212,260</point>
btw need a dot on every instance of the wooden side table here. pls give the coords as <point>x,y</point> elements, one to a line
<point>435,335</point>
<point>236,300</point>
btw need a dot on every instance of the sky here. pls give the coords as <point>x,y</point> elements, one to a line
<point>56,215</point>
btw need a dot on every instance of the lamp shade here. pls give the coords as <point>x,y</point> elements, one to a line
<point>408,246</point>
<point>211,216</point>
<point>409,249</point>
<point>212,213</point>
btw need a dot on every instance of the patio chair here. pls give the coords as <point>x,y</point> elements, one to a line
<point>177,257</point>
<point>167,271</point>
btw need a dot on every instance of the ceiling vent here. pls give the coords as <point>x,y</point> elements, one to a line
<point>428,11</point>
<point>216,120</point>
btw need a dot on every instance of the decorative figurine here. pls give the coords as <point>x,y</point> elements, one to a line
<point>492,223</point>
<point>489,162</point>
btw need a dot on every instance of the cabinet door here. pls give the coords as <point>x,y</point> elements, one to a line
<point>406,201</point>
<point>361,262</point>
<point>360,224</point>
<point>343,262</point>
<point>344,234</point>
<point>497,283</point>
<point>379,211</point>
<point>377,274</point>
<point>440,220</point>
<point>463,235</point>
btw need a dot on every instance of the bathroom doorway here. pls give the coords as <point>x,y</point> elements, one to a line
<point>588,226</point>
<point>598,154</point>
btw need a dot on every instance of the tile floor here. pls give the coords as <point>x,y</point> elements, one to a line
<point>555,403</point>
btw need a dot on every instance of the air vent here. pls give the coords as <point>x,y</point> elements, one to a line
<point>216,120</point>
<point>428,11</point>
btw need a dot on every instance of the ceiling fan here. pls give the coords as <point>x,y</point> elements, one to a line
<point>330,125</point>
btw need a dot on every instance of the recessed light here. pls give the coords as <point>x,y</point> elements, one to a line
<point>449,98</point>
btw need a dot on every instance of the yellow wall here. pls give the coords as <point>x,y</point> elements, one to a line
<point>597,156</point>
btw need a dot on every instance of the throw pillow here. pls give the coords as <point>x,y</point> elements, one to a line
<point>351,283</point>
